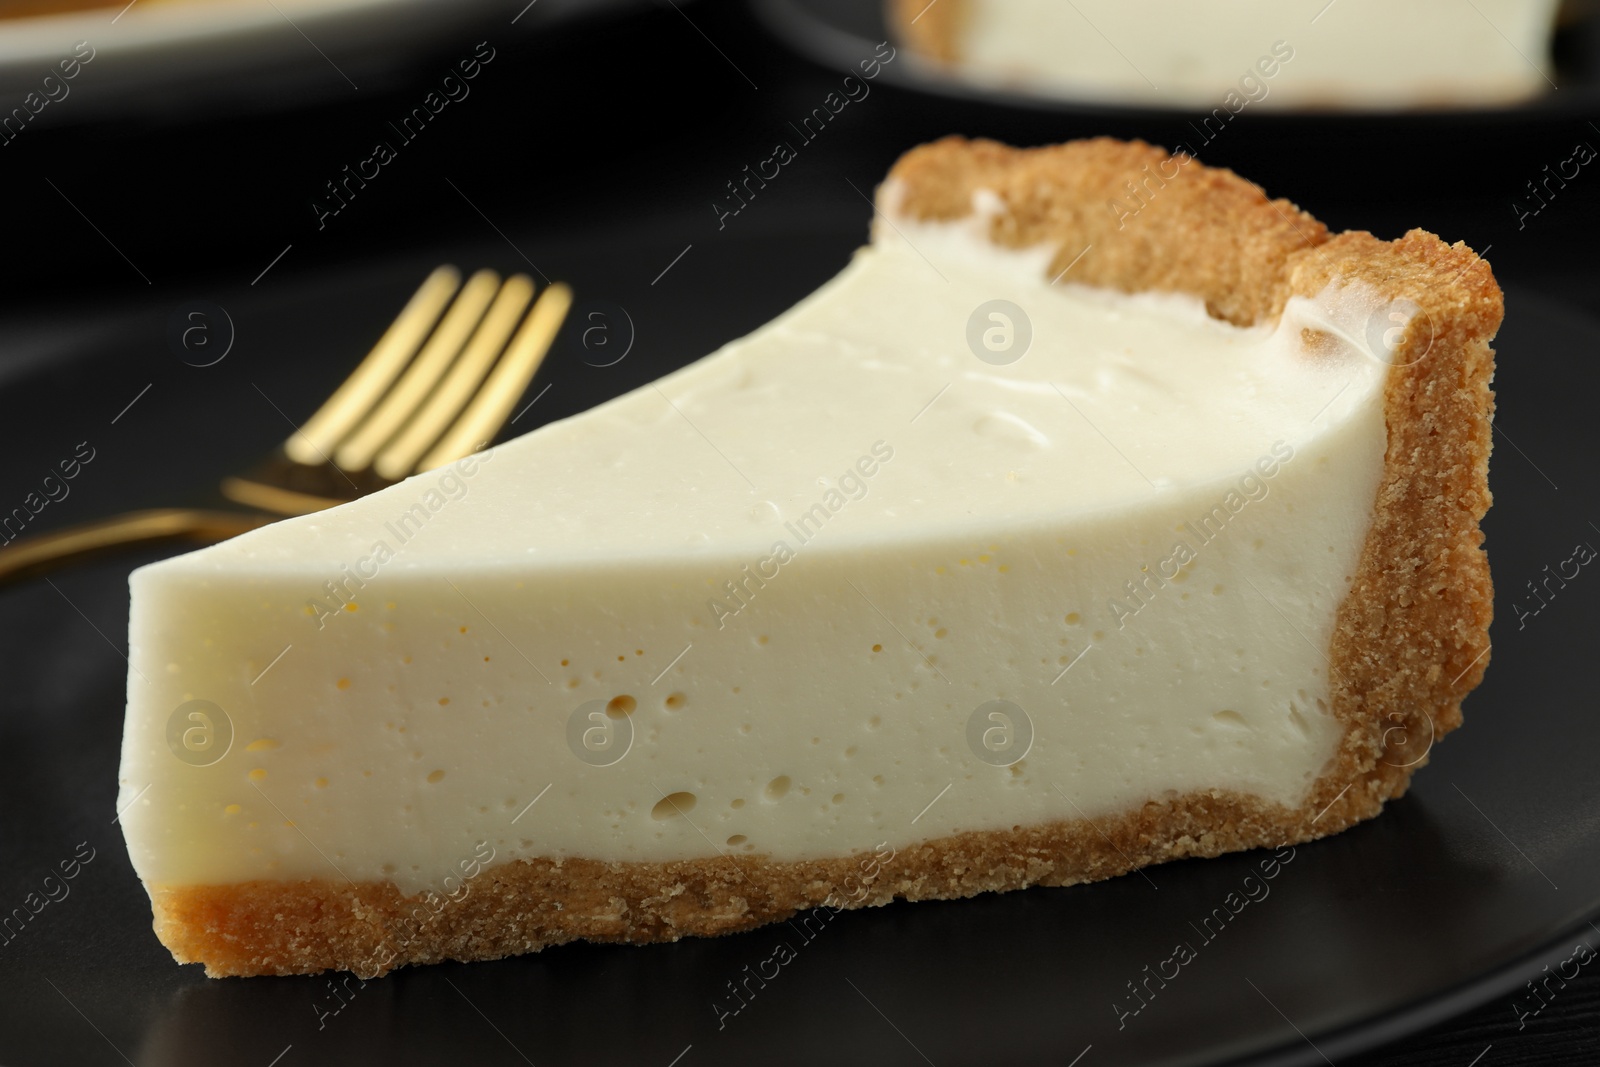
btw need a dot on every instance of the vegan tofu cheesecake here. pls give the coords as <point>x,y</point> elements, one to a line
<point>1048,540</point>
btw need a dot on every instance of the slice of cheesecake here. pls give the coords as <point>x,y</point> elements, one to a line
<point>1371,54</point>
<point>1050,539</point>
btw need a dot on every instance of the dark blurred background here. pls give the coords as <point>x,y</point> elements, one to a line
<point>637,115</point>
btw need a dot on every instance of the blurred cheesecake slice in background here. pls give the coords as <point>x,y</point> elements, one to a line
<point>1314,54</point>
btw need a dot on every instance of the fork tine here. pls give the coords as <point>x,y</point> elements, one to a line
<point>315,441</point>
<point>455,392</point>
<point>430,365</point>
<point>487,413</point>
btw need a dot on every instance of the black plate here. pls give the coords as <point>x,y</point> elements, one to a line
<point>1459,893</point>
<point>839,33</point>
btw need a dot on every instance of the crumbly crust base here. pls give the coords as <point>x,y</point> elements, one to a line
<point>1410,639</point>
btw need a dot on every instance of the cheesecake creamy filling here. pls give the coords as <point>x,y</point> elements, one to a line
<point>1369,53</point>
<point>765,605</point>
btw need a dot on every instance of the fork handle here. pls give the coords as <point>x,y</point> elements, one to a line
<point>29,557</point>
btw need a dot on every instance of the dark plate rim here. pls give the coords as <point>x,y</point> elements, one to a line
<point>1411,1019</point>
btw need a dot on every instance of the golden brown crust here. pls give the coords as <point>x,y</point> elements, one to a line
<point>1148,220</point>
<point>1410,639</point>
<point>294,928</point>
<point>929,29</point>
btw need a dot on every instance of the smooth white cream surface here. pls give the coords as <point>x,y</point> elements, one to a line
<point>804,562</point>
<point>1348,53</point>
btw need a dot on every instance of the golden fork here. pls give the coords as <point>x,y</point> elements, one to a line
<point>437,386</point>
